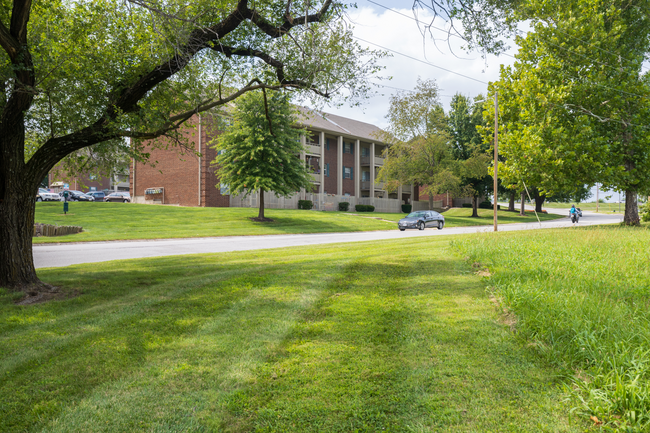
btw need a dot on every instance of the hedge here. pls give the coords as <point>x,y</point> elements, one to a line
<point>305,204</point>
<point>406,208</point>
<point>364,208</point>
<point>344,206</point>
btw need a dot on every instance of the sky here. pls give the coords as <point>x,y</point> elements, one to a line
<point>400,33</point>
<point>387,28</point>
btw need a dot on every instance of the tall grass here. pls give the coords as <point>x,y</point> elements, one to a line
<point>580,298</point>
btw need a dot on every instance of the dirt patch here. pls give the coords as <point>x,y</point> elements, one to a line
<point>507,317</point>
<point>46,294</point>
<point>262,220</point>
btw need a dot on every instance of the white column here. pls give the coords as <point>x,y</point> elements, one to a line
<point>322,161</point>
<point>303,142</point>
<point>357,168</point>
<point>372,172</point>
<point>339,165</point>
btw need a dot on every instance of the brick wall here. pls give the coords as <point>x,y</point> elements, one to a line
<point>438,197</point>
<point>178,172</point>
<point>81,183</point>
<point>331,159</point>
<point>348,161</point>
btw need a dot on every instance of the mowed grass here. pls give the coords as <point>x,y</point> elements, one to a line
<point>366,337</point>
<point>120,221</point>
<point>581,298</point>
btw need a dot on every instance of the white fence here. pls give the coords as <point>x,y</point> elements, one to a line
<point>424,205</point>
<point>327,202</point>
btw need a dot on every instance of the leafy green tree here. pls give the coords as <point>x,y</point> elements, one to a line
<point>469,149</point>
<point>96,72</point>
<point>419,143</point>
<point>573,106</point>
<point>261,150</point>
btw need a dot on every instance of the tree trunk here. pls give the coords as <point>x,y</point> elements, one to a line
<point>539,201</point>
<point>522,211</point>
<point>631,217</point>
<point>17,207</point>
<point>260,215</point>
<point>511,203</point>
<point>430,201</point>
<point>474,206</point>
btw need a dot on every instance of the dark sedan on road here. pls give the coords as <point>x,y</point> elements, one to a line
<point>422,219</point>
<point>122,197</point>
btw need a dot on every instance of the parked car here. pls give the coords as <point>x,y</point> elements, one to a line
<point>79,196</point>
<point>45,195</point>
<point>97,195</point>
<point>421,219</point>
<point>123,197</point>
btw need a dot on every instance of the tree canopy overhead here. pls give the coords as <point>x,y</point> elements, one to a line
<point>573,106</point>
<point>77,74</point>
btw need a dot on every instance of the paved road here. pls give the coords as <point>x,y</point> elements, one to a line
<point>56,255</point>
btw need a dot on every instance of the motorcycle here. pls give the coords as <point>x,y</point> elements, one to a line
<point>576,215</point>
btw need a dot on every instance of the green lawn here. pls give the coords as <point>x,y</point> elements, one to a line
<point>581,298</point>
<point>393,336</point>
<point>119,221</point>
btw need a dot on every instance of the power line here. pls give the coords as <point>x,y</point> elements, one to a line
<point>421,61</point>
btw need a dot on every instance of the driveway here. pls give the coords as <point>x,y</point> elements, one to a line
<point>56,255</point>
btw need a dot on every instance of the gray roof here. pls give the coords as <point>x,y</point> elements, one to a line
<point>338,125</point>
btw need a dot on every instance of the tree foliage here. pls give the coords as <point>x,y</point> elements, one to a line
<point>419,143</point>
<point>94,72</point>
<point>469,149</point>
<point>260,151</point>
<point>573,110</point>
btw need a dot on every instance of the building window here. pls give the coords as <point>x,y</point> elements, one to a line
<point>365,151</point>
<point>93,177</point>
<point>224,189</point>
<point>348,147</point>
<point>348,173</point>
<point>221,152</point>
<point>365,176</point>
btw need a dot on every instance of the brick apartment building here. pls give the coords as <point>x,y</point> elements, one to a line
<point>345,156</point>
<point>87,182</point>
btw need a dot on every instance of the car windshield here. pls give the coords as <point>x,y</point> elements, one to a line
<point>416,214</point>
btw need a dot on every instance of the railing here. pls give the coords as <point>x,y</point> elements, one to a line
<point>313,148</point>
<point>315,177</point>
<point>379,161</point>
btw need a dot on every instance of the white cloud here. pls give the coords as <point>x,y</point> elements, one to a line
<point>399,33</point>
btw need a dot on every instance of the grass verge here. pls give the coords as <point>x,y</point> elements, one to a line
<point>119,221</point>
<point>382,336</point>
<point>581,299</point>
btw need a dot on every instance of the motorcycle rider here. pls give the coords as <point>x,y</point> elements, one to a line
<point>573,212</point>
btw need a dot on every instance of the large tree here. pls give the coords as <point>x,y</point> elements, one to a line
<point>93,72</point>
<point>260,151</point>
<point>419,143</point>
<point>574,109</point>
<point>468,147</point>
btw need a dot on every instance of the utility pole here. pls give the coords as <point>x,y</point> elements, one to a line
<point>597,201</point>
<point>496,154</point>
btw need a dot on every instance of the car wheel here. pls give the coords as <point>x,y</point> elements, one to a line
<point>440,225</point>
<point>126,201</point>
<point>421,226</point>
<point>402,230</point>
<point>39,198</point>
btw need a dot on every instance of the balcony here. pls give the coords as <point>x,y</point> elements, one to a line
<point>365,160</point>
<point>312,148</point>
<point>365,185</point>
<point>315,177</point>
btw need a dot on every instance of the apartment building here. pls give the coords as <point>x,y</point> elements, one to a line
<point>345,156</point>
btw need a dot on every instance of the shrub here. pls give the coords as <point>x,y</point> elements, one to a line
<point>305,204</point>
<point>646,212</point>
<point>488,205</point>
<point>364,208</point>
<point>467,204</point>
<point>344,206</point>
<point>406,208</point>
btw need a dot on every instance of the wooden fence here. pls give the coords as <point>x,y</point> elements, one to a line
<point>50,230</point>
